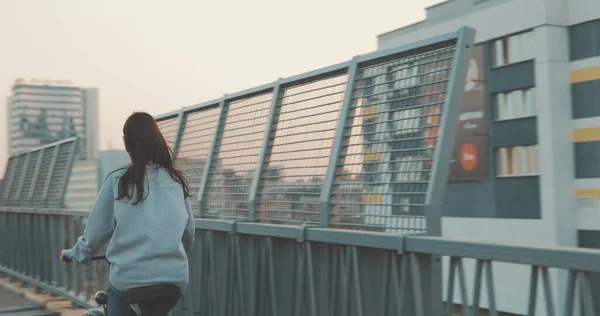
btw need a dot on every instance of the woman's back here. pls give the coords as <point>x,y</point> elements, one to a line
<point>146,247</point>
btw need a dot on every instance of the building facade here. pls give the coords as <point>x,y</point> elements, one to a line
<point>41,112</point>
<point>527,158</point>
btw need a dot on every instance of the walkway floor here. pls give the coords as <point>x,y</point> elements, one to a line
<point>11,298</point>
<point>13,294</point>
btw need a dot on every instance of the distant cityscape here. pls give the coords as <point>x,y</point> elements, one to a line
<point>44,112</point>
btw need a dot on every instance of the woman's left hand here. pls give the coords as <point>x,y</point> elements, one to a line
<point>64,258</point>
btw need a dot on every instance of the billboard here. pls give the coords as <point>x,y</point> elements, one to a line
<point>470,158</point>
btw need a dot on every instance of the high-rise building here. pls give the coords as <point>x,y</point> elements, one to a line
<point>41,112</point>
<point>527,155</point>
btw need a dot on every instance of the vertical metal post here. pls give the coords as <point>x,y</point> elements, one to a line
<point>38,249</point>
<point>430,265</point>
<point>447,133</point>
<point>179,133</point>
<point>336,148</point>
<point>28,234</point>
<point>54,250</point>
<point>265,149</point>
<point>62,279</point>
<point>209,159</point>
<point>73,224</point>
<point>4,239</point>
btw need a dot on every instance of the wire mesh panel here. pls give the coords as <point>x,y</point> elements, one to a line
<point>30,174</point>
<point>299,153</point>
<point>42,177</point>
<point>169,127</point>
<point>394,123</point>
<point>58,181</point>
<point>17,176</point>
<point>235,157</point>
<point>200,127</point>
<point>5,184</point>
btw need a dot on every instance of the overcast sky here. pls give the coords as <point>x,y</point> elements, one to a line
<point>159,55</point>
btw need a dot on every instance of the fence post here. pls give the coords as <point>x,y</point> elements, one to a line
<point>210,157</point>
<point>265,151</point>
<point>430,265</point>
<point>338,142</point>
<point>179,134</point>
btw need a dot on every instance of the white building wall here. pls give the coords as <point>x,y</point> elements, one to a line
<point>580,11</point>
<point>92,128</point>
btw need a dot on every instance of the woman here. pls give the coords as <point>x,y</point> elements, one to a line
<point>143,212</point>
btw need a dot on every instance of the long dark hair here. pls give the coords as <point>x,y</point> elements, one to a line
<point>146,145</point>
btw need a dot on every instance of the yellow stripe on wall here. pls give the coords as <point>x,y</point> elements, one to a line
<point>588,193</point>
<point>589,134</point>
<point>372,198</point>
<point>586,74</point>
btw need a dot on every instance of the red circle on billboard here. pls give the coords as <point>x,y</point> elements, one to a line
<point>468,156</point>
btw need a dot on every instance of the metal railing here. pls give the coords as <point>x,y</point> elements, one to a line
<point>243,268</point>
<point>38,178</point>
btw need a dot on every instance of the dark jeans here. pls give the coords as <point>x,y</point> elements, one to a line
<point>118,305</point>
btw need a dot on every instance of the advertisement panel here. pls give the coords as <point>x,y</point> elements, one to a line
<point>470,159</point>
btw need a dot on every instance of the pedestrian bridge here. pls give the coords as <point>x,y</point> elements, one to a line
<point>319,194</point>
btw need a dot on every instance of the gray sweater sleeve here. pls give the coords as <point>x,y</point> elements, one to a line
<point>190,229</point>
<point>100,225</point>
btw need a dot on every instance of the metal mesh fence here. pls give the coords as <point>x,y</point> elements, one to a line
<point>194,150</point>
<point>238,146</point>
<point>355,145</point>
<point>38,177</point>
<point>382,179</point>
<point>303,131</point>
<point>169,128</point>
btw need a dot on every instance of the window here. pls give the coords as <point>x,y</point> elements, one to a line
<point>512,49</point>
<point>517,161</point>
<point>515,104</point>
<point>584,40</point>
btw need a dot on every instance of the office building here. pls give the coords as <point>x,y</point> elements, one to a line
<point>527,157</point>
<point>41,112</point>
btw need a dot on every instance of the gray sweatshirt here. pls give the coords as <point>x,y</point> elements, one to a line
<point>147,242</point>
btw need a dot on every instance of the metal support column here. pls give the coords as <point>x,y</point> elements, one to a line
<point>207,166</point>
<point>265,149</point>
<point>430,265</point>
<point>336,148</point>
<point>447,134</point>
<point>179,133</point>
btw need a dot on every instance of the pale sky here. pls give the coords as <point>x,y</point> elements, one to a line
<point>159,55</point>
